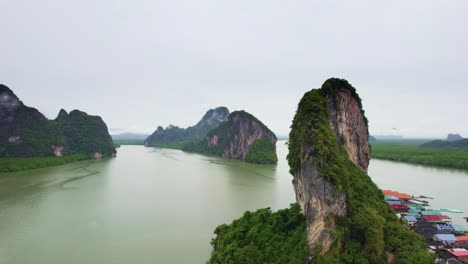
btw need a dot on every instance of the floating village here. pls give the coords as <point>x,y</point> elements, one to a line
<point>448,241</point>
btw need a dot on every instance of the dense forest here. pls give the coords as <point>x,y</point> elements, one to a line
<point>262,151</point>
<point>421,152</point>
<point>462,143</point>
<point>262,237</point>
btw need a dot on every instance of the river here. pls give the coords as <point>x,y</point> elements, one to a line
<point>153,205</point>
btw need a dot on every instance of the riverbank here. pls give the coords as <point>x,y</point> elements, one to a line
<point>19,164</point>
<point>409,151</point>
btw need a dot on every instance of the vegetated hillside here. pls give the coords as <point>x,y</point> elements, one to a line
<point>242,137</point>
<point>347,219</point>
<point>176,137</point>
<point>411,151</point>
<point>26,133</point>
<point>461,143</point>
<point>454,137</point>
<point>262,237</point>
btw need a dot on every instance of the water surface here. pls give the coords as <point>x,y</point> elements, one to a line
<point>153,205</point>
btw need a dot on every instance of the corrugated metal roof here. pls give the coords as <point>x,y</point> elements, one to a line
<point>431,212</point>
<point>445,237</point>
<point>462,239</point>
<point>431,218</point>
<point>410,218</point>
<point>403,196</point>
<point>459,253</point>
<point>391,198</point>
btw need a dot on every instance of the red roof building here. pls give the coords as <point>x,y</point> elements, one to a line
<point>461,255</point>
<point>402,196</point>
<point>433,218</point>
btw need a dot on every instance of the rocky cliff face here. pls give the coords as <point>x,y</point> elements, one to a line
<point>315,193</point>
<point>347,218</point>
<point>174,136</point>
<point>349,124</point>
<point>25,132</point>
<point>338,107</point>
<point>242,137</point>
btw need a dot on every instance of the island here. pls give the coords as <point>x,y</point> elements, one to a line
<point>340,216</point>
<point>236,135</point>
<point>29,140</point>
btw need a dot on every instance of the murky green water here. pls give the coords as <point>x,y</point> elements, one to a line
<point>449,188</point>
<point>159,205</point>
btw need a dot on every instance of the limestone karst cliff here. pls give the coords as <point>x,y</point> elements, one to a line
<point>25,132</point>
<point>329,157</point>
<point>242,137</point>
<point>176,137</point>
<point>344,217</point>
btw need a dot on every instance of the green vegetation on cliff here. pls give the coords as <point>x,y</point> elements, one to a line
<point>371,228</point>
<point>176,137</point>
<point>25,132</point>
<point>369,233</point>
<point>262,151</point>
<point>262,237</point>
<point>29,136</point>
<point>242,137</point>
<point>17,164</point>
<point>84,133</point>
<point>411,151</point>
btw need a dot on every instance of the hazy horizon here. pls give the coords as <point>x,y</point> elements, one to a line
<point>142,64</point>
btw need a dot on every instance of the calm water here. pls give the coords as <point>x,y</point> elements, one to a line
<point>160,205</point>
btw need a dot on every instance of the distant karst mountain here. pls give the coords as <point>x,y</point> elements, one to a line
<point>130,136</point>
<point>462,143</point>
<point>454,137</point>
<point>25,132</point>
<point>176,137</point>
<point>242,137</point>
<point>238,135</point>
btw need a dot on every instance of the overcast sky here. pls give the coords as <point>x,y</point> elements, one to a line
<point>140,64</point>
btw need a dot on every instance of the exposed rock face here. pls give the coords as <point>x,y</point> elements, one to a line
<point>175,136</point>
<point>350,126</point>
<point>58,150</point>
<point>317,196</point>
<point>235,138</point>
<point>25,132</point>
<point>319,202</point>
<point>454,137</point>
<point>97,155</point>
